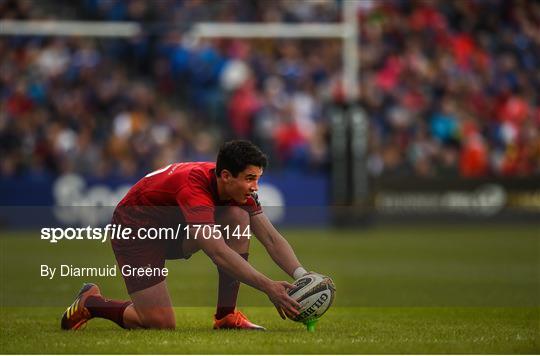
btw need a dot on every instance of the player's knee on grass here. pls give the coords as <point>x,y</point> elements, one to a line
<point>158,320</point>
<point>154,308</point>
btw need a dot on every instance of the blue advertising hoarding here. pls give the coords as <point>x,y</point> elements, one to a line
<point>292,199</point>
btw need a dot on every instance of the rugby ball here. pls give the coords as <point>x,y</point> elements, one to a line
<point>315,293</point>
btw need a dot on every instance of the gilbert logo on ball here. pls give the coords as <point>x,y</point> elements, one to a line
<point>315,293</point>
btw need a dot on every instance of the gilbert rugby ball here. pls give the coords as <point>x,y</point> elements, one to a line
<point>315,293</point>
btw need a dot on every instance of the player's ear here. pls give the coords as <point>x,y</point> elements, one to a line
<point>225,175</point>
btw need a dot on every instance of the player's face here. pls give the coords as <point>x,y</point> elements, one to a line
<point>239,188</point>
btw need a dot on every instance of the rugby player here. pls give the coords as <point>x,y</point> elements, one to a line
<point>214,194</point>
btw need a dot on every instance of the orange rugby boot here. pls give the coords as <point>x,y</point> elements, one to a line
<point>76,315</point>
<point>236,320</point>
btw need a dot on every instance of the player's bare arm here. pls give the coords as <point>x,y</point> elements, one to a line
<point>235,265</point>
<point>276,245</point>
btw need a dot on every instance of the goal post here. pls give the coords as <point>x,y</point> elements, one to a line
<point>69,28</point>
<point>348,146</point>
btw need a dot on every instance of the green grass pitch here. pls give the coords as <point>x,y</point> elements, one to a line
<point>431,289</point>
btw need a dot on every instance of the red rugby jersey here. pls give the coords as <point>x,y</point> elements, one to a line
<point>191,186</point>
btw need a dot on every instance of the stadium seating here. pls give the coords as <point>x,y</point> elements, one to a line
<point>450,88</point>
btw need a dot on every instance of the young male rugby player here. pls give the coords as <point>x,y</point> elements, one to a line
<point>216,195</point>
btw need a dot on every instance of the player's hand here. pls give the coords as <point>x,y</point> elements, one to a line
<point>277,293</point>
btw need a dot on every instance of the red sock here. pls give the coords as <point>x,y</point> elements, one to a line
<point>227,292</point>
<point>113,310</point>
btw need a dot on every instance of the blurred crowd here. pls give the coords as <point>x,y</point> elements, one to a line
<point>449,88</point>
<point>452,88</point>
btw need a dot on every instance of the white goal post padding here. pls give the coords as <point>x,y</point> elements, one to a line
<point>69,28</point>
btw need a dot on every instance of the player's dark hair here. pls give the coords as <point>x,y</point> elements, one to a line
<point>236,155</point>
